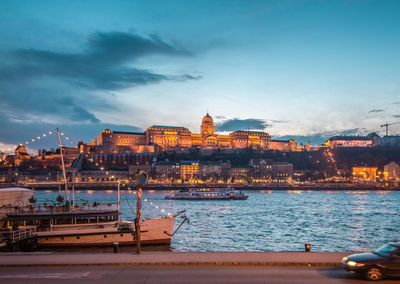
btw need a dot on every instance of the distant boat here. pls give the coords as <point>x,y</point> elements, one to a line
<point>208,194</point>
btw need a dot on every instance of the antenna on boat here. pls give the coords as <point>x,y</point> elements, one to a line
<point>63,166</point>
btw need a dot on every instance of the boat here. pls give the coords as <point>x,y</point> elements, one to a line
<point>74,224</point>
<point>208,194</point>
<point>86,225</point>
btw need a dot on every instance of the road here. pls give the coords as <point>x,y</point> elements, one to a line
<point>177,274</point>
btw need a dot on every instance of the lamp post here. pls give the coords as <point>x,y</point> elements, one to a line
<point>142,179</point>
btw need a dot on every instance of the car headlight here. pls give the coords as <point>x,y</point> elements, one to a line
<point>344,258</point>
<point>353,263</point>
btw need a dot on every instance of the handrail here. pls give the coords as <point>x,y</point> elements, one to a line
<point>14,236</point>
<point>49,209</point>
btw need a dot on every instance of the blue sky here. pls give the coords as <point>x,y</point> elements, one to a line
<point>302,69</point>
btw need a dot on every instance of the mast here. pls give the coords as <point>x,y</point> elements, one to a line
<point>63,166</point>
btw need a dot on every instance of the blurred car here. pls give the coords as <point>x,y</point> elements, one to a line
<point>377,264</point>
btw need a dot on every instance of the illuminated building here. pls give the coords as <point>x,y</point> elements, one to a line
<point>240,174</point>
<point>364,173</point>
<point>282,170</point>
<point>189,170</point>
<point>249,139</point>
<point>392,171</point>
<point>353,141</point>
<point>20,156</point>
<point>283,145</point>
<point>174,138</point>
<point>168,136</point>
<point>261,170</point>
<point>120,138</point>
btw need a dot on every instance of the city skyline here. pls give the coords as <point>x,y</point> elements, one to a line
<point>302,69</point>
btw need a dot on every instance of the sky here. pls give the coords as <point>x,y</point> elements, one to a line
<point>307,70</point>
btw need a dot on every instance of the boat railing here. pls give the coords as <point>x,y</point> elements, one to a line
<point>16,235</point>
<point>50,209</point>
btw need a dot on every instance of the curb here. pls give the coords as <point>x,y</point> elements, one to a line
<point>296,264</point>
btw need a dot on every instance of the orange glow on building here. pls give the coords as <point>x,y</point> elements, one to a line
<point>364,173</point>
<point>172,137</point>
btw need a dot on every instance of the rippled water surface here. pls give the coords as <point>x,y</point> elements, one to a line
<point>269,220</point>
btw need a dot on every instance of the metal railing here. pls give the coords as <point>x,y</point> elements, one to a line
<point>58,209</point>
<point>14,236</point>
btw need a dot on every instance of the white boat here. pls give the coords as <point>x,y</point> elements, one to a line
<point>208,194</point>
<point>86,226</point>
<point>83,224</point>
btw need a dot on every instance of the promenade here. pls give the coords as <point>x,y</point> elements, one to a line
<point>320,259</point>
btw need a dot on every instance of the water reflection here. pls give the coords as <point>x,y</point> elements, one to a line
<point>269,221</point>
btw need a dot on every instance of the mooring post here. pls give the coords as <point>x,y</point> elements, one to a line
<point>142,179</point>
<point>138,217</point>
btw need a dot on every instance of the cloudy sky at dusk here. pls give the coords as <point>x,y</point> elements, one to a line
<point>304,69</point>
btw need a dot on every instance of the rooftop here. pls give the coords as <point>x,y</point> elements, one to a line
<point>165,126</point>
<point>127,132</point>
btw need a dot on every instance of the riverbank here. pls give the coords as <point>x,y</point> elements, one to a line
<point>320,259</point>
<point>180,186</point>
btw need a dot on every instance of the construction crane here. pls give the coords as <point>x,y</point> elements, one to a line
<point>387,126</point>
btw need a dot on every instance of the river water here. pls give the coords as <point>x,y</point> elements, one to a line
<point>269,220</point>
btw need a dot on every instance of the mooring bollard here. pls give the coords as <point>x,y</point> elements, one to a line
<point>307,247</point>
<point>116,247</point>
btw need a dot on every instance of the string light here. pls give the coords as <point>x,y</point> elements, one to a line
<point>41,137</point>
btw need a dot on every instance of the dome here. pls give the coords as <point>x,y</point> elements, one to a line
<point>207,119</point>
<point>207,125</point>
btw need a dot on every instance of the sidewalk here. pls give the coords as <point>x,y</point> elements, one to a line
<point>326,259</point>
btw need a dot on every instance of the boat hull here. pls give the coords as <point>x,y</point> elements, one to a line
<point>208,198</point>
<point>157,231</point>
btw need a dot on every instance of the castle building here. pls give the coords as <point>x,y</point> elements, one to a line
<point>370,140</point>
<point>283,145</point>
<point>173,137</point>
<point>120,138</point>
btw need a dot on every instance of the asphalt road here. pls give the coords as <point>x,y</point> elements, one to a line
<point>178,274</point>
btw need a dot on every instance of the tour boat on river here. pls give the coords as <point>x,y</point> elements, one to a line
<point>71,224</point>
<point>86,225</point>
<point>208,194</point>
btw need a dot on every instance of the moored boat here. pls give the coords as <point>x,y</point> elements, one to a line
<point>86,225</point>
<point>208,194</point>
<point>72,224</point>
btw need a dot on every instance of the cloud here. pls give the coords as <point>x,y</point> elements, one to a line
<point>376,110</point>
<point>280,121</point>
<point>105,63</point>
<point>220,117</point>
<point>320,138</point>
<point>353,131</point>
<point>241,124</point>
<point>51,85</point>
<point>396,115</point>
<point>43,104</point>
<point>16,132</point>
